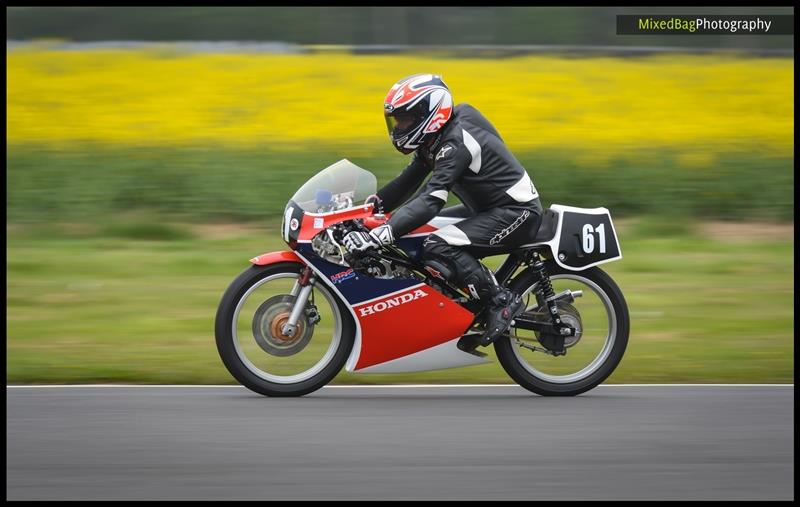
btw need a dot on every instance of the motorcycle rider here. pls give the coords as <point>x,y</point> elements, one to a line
<point>467,157</point>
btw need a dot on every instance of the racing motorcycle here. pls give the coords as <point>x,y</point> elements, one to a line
<point>288,324</point>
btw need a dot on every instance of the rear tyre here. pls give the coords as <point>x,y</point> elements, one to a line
<point>517,361</point>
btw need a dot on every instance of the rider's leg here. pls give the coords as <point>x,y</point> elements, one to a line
<point>454,245</point>
<point>502,305</point>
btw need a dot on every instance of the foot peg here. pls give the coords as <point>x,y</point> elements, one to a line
<point>469,342</point>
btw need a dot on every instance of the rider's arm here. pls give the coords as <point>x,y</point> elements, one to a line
<point>397,191</point>
<point>449,164</point>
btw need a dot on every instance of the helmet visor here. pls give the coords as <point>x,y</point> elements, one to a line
<point>400,124</point>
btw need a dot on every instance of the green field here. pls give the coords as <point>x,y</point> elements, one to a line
<point>83,181</point>
<point>134,300</point>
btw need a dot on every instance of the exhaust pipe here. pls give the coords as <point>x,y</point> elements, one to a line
<point>566,295</point>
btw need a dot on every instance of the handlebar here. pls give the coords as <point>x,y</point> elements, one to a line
<point>375,220</point>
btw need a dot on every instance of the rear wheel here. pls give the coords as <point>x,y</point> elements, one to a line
<point>601,317</point>
<point>250,341</point>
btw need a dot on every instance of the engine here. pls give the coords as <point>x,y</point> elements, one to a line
<point>328,247</point>
<point>380,268</point>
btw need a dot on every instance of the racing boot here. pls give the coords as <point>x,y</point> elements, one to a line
<point>501,309</point>
<point>501,304</point>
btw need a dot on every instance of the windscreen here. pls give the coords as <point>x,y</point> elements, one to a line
<point>338,186</point>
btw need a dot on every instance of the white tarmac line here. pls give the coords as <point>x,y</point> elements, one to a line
<point>374,386</point>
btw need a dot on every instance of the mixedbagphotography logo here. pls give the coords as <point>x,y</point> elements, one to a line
<point>709,24</point>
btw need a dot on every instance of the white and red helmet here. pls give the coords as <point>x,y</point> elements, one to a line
<point>416,108</point>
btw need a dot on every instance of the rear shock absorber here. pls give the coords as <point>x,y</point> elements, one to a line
<point>545,290</point>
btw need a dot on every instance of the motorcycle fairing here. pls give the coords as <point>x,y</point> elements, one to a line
<point>402,325</point>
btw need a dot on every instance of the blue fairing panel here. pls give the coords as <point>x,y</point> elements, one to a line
<point>355,287</point>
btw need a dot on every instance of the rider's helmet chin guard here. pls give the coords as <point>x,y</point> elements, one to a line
<point>416,108</point>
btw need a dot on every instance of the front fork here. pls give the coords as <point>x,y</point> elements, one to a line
<point>301,290</point>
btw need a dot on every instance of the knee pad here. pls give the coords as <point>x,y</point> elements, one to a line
<point>438,269</point>
<point>437,257</point>
<point>462,267</point>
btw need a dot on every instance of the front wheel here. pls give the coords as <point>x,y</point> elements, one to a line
<point>601,316</point>
<point>249,332</point>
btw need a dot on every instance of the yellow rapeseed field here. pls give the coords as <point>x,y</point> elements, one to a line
<point>600,106</point>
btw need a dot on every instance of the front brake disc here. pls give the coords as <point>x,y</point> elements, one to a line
<point>268,322</point>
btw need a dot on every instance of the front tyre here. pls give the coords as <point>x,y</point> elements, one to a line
<point>602,316</point>
<point>250,316</point>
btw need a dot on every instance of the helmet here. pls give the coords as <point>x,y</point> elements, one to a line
<point>416,108</point>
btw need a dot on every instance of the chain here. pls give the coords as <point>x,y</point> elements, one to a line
<point>532,347</point>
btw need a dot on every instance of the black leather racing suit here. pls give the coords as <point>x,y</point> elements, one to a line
<point>469,159</point>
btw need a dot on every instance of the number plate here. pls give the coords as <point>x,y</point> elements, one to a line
<point>584,238</point>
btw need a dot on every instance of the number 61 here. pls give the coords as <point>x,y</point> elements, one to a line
<point>588,238</point>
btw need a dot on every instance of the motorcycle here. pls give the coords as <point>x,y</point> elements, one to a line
<point>289,323</point>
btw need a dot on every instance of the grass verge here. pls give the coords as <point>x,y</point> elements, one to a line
<point>135,302</point>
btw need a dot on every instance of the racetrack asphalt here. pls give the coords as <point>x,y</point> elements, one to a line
<point>400,443</point>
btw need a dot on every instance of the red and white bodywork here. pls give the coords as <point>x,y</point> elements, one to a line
<point>415,328</point>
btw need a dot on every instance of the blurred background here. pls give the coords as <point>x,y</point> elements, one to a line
<point>151,150</point>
